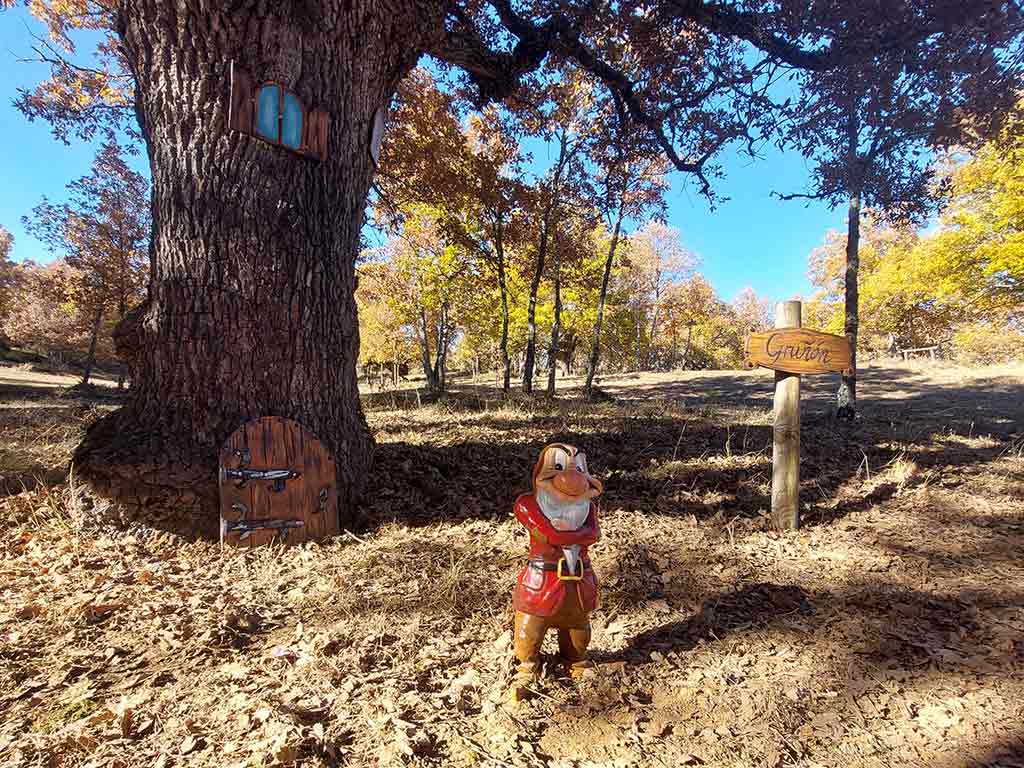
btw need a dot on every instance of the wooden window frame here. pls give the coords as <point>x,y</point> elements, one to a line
<point>244,109</point>
<point>302,149</point>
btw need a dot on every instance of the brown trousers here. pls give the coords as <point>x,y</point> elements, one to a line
<point>573,627</point>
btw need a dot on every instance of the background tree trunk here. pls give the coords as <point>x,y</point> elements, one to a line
<point>556,325</point>
<point>251,309</point>
<point>846,397</point>
<point>531,312</point>
<point>122,312</point>
<point>441,353</point>
<point>429,372</point>
<point>595,350</point>
<point>545,232</point>
<point>689,340</point>
<point>637,322</point>
<point>506,362</point>
<point>90,359</point>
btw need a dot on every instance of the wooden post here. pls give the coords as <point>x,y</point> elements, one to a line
<point>786,448</point>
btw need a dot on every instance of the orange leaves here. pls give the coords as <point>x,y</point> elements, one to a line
<point>102,233</point>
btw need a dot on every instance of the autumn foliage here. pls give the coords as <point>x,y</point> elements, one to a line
<point>68,308</point>
<point>960,286</point>
<point>508,248</point>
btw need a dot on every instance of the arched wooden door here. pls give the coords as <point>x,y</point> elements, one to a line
<point>277,483</point>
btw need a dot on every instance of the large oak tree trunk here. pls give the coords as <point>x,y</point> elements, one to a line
<point>250,310</point>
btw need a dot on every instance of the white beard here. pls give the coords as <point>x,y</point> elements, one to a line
<point>563,515</point>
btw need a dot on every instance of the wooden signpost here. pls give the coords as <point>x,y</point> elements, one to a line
<point>790,351</point>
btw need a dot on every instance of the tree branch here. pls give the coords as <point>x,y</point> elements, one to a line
<point>800,195</point>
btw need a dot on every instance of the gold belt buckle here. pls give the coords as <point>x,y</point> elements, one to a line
<point>563,577</point>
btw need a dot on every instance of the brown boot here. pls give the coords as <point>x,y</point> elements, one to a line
<point>527,638</point>
<point>526,676</point>
<point>572,649</point>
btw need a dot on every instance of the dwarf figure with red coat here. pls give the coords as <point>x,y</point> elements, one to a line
<point>557,588</point>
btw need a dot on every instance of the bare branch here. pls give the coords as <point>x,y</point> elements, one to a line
<point>800,195</point>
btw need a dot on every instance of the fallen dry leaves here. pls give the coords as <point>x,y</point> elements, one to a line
<point>888,632</point>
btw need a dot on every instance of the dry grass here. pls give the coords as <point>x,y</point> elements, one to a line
<point>888,632</point>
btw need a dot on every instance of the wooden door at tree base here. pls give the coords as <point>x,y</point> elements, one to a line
<point>277,483</point>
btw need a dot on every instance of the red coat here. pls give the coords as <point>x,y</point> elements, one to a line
<point>540,592</point>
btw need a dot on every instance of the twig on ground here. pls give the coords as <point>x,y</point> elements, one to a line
<point>348,534</point>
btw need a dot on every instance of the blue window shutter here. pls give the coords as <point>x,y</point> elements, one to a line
<point>267,107</point>
<point>291,123</point>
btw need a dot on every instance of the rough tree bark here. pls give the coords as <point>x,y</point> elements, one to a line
<point>250,310</point>
<point>595,350</point>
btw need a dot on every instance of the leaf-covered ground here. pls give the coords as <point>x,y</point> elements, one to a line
<point>888,632</point>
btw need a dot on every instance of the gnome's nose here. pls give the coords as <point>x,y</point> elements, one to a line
<point>571,482</point>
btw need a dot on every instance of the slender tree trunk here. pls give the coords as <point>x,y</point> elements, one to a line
<point>251,309</point>
<point>639,341</point>
<point>549,209</point>
<point>595,350</point>
<point>506,362</point>
<point>846,398</point>
<point>429,371</point>
<point>441,353</point>
<point>556,325</point>
<point>531,312</point>
<point>90,359</point>
<point>689,339</point>
<point>654,328</point>
<point>122,312</point>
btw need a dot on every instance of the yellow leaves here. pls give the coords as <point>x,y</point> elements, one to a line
<point>64,16</point>
<point>922,288</point>
<point>983,233</point>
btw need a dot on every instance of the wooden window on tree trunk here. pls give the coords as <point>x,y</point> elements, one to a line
<point>276,115</point>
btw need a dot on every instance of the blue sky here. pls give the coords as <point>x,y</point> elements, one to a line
<point>752,239</point>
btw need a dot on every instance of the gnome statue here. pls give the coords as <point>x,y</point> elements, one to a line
<point>557,588</point>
